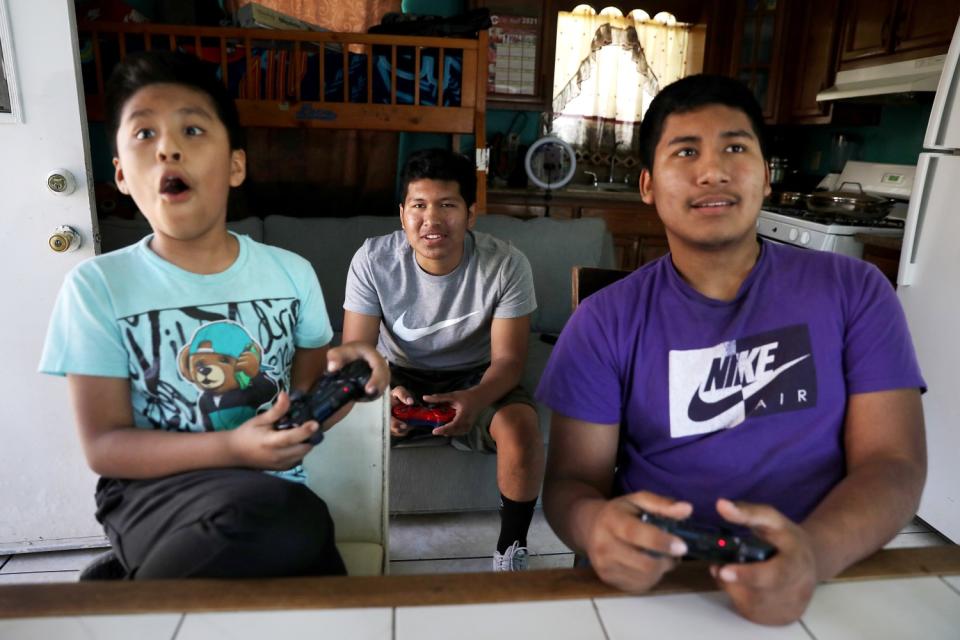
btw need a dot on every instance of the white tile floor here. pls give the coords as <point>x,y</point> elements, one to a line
<point>430,543</point>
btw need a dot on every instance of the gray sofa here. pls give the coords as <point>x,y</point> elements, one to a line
<point>431,475</point>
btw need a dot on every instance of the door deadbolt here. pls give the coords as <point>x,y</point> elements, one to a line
<point>61,182</point>
<point>64,239</point>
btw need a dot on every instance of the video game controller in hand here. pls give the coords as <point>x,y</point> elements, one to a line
<point>713,544</point>
<point>424,416</point>
<point>330,393</point>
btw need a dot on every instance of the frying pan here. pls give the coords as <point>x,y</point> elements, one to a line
<point>855,204</point>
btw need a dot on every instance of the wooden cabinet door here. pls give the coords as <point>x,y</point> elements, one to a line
<point>925,24</point>
<point>638,234</point>
<point>813,34</point>
<point>868,29</point>
<point>525,211</point>
<point>758,51</point>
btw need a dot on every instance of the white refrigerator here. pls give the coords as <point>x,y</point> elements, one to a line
<point>928,285</point>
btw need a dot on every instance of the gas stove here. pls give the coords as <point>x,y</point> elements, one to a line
<point>835,232</point>
<point>834,223</point>
<point>822,232</point>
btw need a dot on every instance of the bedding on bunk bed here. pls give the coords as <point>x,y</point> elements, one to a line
<point>273,76</point>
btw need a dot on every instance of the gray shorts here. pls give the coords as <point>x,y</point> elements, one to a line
<point>424,382</point>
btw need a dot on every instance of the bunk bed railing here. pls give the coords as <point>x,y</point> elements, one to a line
<point>287,79</point>
<point>322,79</point>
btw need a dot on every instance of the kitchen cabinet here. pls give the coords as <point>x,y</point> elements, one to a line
<point>812,35</point>
<point>881,31</point>
<point>638,234</point>
<point>758,51</point>
<point>883,252</point>
<point>867,27</point>
<point>525,211</point>
<point>785,50</point>
<point>788,51</point>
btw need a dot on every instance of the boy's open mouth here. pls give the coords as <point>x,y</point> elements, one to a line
<point>173,185</point>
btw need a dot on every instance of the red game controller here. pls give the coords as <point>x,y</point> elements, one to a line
<point>424,416</point>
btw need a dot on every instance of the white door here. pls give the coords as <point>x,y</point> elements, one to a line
<point>46,490</point>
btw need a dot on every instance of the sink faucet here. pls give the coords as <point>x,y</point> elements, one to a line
<point>613,159</point>
<point>593,175</point>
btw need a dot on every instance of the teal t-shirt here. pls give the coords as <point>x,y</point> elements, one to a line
<point>202,352</point>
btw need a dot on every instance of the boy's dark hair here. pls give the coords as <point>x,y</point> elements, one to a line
<point>689,94</point>
<point>141,69</point>
<point>440,164</point>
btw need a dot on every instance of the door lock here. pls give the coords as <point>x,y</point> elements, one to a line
<point>65,239</point>
<point>61,182</point>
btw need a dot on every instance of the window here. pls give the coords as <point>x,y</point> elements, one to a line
<point>608,68</point>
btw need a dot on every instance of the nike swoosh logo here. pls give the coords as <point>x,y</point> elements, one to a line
<point>406,333</point>
<point>701,411</point>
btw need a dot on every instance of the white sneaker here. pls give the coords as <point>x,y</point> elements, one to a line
<point>513,559</point>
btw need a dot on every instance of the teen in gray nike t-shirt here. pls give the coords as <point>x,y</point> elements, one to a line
<point>450,309</point>
<point>439,321</point>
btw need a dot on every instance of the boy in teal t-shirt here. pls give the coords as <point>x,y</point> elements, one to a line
<point>180,351</point>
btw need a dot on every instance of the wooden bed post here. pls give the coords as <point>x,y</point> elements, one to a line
<point>480,122</point>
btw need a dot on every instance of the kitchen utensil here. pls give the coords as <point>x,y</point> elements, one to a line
<point>844,147</point>
<point>778,169</point>
<point>855,204</point>
<point>787,198</point>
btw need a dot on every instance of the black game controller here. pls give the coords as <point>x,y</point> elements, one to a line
<point>713,544</point>
<point>330,393</point>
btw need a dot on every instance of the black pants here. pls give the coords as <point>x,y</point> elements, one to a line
<point>222,523</point>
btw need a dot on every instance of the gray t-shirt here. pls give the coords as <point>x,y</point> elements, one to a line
<point>439,322</point>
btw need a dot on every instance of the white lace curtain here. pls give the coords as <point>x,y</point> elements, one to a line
<point>609,67</point>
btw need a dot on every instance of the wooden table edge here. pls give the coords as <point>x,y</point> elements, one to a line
<point>202,595</point>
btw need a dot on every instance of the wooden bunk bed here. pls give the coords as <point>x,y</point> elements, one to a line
<point>319,79</point>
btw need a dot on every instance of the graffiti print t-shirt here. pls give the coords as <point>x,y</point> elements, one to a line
<point>202,352</point>
<point>742,399</point>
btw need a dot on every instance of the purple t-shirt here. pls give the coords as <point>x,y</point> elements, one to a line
<point>742,399</point>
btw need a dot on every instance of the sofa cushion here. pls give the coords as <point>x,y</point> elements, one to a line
<point>329,245</point>
<point>116,233</point>
<point>553,248</point>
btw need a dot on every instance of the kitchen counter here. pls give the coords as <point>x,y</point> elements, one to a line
<point>638,234</point>
<point>618,193</point>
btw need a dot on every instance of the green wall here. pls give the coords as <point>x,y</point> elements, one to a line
<point>498,120</point>
<point>897,138</point>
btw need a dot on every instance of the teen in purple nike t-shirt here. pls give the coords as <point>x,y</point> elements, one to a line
<point>732,370</point>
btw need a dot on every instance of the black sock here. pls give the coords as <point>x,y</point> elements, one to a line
<point>515,520</point>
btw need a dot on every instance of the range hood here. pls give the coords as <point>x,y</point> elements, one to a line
<point>922,74</point>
